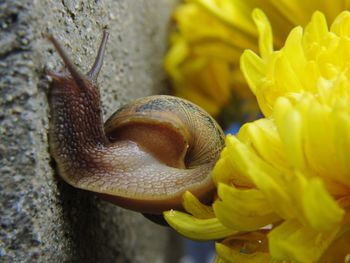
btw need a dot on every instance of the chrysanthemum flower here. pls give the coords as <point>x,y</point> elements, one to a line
<point>284,180</point>
<point>210,35</point>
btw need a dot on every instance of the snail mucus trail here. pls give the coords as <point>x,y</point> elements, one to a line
<point>144,157</point>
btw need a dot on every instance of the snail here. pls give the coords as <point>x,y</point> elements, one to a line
<point>144,157</point>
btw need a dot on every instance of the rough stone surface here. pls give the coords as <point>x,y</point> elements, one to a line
<point>42,218</point>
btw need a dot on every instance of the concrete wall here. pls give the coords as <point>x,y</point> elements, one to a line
<point>42,219</point>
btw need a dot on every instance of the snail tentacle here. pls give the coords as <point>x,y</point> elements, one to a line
<point>96,67</point>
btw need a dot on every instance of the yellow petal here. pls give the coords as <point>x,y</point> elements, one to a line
<point>216,49</point>
<point>265,139</point>
<point>292,241</point>
<point>234,256</point>
<point>215,78</point>
<point>195,23</point>
<point>195,207</point>
<point>318,145</point>
<point>265,33</point>
<point>341,25</point>
<point>252,67</point>
<point>341,124</point>
<point>223,170</point>
<point>245,247</point>
<point>294,52</point>
<point>321,210</point>
<point>243,210</point>
<point>289,125</point>
<point>316,30</point>
<point>197,229</point>
<point>175,57</point>
<point>226,169</point>
<point>235,13</point>
<point>266,178</point>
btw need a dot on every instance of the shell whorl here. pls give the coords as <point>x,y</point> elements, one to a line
<point>203,135</point>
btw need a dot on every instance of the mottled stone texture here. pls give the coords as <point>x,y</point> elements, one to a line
<point>42,218</point>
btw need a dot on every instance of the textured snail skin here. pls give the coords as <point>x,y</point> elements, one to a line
<point>146,155</point>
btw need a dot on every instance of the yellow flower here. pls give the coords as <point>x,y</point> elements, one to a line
<point>311,61</point>
<point>283,182</point>
<point>210,35</point>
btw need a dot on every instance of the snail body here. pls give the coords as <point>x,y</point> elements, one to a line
<point>146,155</point>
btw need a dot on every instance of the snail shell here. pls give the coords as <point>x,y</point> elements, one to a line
<point>146,155</point>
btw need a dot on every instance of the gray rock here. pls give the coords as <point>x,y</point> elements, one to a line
<point>42,218</point>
